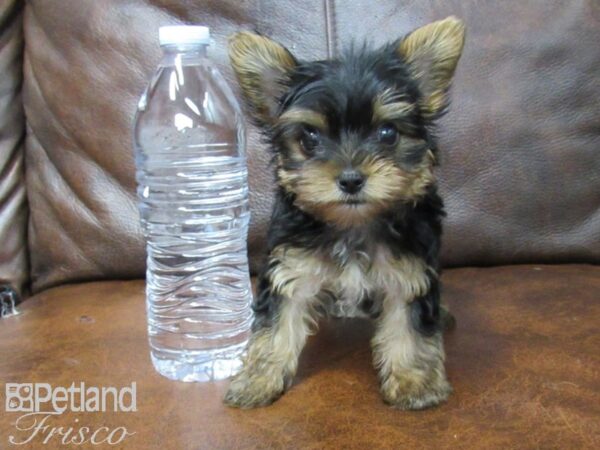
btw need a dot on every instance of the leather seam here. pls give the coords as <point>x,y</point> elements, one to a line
<point>330,35</point>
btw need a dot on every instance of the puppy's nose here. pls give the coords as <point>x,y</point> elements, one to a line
<point>351,181</point>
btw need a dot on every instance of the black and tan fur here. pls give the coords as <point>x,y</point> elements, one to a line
<point>357,221</point>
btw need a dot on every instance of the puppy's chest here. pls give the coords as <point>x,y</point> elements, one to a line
<point>363,274</point>
<point>354,276</point>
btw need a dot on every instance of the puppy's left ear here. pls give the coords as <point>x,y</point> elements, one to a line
<point>262,67</point>
<point>432,53</point>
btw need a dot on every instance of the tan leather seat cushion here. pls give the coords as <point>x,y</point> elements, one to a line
<point>523,361</point>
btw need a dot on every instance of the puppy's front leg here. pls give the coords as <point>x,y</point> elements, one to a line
<point>285,316</point>
<point>410,362</point>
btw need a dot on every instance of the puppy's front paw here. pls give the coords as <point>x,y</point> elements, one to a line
<point>251,390</point>
<point>414,390</point>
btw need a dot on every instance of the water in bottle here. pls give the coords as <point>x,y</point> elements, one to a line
<point>193,202</point>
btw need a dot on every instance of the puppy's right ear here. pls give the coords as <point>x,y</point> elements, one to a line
<point>262,67</point>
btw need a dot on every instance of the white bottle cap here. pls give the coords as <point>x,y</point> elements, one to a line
<point>183,34</point>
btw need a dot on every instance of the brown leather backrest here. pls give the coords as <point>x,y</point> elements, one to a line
<point>13,211</point>
<point>520,171</point>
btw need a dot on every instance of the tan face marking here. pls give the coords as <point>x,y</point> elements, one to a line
<point>389,107</point>
<point>301,116</point>
<point>304,116</point>
<point>317,192</point>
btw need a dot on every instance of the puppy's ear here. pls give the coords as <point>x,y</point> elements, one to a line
<point>432,53</point>
<point>262,67</point>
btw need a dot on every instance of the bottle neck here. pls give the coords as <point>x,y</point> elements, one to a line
<point>183,53</point>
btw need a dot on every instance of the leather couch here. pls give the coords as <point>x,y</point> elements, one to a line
<point>520,175</point>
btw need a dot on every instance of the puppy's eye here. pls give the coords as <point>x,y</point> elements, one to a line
<point>387,134</point>
<point>309,139</point>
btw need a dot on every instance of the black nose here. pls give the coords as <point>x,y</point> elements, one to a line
<point>351,181</point>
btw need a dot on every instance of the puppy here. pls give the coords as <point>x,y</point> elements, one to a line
<point>357,218</point>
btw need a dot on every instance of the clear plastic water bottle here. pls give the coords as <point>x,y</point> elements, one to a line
<point>193,193</point>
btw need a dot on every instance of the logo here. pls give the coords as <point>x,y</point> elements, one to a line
<point>40,403</point>
<point>19,397</point>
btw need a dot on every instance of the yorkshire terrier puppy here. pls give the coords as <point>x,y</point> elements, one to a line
<point>357,218</point>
